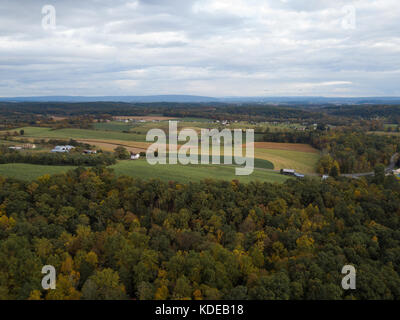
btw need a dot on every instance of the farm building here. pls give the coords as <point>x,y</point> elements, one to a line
<point>24,146</point>
<point>288,172</point>
<point>62,149</point>
<point>29,146</point>
<point>89,151</point>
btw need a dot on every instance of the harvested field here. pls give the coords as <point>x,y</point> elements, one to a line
<point>303,162</point>
<point>110,145</point>
<point>285,146</point>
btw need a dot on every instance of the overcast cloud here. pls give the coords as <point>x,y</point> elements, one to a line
<point>206,47</point>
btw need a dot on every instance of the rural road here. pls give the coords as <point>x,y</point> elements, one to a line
<point>389,169</point>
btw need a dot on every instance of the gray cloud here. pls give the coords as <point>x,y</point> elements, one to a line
<point>205,47</point>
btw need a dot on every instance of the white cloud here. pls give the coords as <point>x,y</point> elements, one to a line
<point>210,47</point>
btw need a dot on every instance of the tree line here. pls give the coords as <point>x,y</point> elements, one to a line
<point>56,159</point>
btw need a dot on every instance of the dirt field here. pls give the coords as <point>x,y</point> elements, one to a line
<point>57,118</point>
<point>285,146</point>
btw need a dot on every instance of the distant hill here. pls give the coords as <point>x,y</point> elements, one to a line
<point>203,99</point>
<point>158,98</point>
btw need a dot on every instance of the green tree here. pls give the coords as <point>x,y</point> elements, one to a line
<point>379,171</point>
<point>103,285</point>
<point>121,153</point>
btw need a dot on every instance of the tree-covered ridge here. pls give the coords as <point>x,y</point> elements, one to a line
<point>114,238</point>
<point>80,114</point>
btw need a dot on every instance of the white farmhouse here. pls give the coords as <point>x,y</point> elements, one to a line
<point>135,156</point>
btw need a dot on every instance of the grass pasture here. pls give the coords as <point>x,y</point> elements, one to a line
<point>184,174</point>
<point>141,169</point>
<point>112,126</point>
<point>28,172</point>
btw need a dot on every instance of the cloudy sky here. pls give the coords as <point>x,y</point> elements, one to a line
<point>200,47</point>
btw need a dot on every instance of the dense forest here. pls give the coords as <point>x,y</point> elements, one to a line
<point>355,151</point>
<point>366,111</point>
<point>121,238</point>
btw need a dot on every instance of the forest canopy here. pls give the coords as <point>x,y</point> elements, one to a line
<point>120,238</point>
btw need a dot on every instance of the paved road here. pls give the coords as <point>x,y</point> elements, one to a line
<point>392,164</point>
<point>388,170</point>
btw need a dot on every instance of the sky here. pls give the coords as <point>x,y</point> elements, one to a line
<point>218,48</point>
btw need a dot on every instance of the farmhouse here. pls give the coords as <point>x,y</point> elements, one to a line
<point>135,156</point>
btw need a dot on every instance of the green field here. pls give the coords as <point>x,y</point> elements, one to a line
<point>258,163</point>
<point>30,172</point>
<point>112,126</point>
<point>141,169</point>
<point>37,132</point>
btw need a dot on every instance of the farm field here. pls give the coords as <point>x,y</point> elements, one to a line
<point>112,126</point>
<point>183,123</point>
<point>303,158</point>
<point>141,169</point>
<point>28,172</point>
<point>303,162</point>
<point>285,146</point>
<point>38,132</point>
<point>147,118</point>
<point>110,145</point>
<point>258,163</point>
